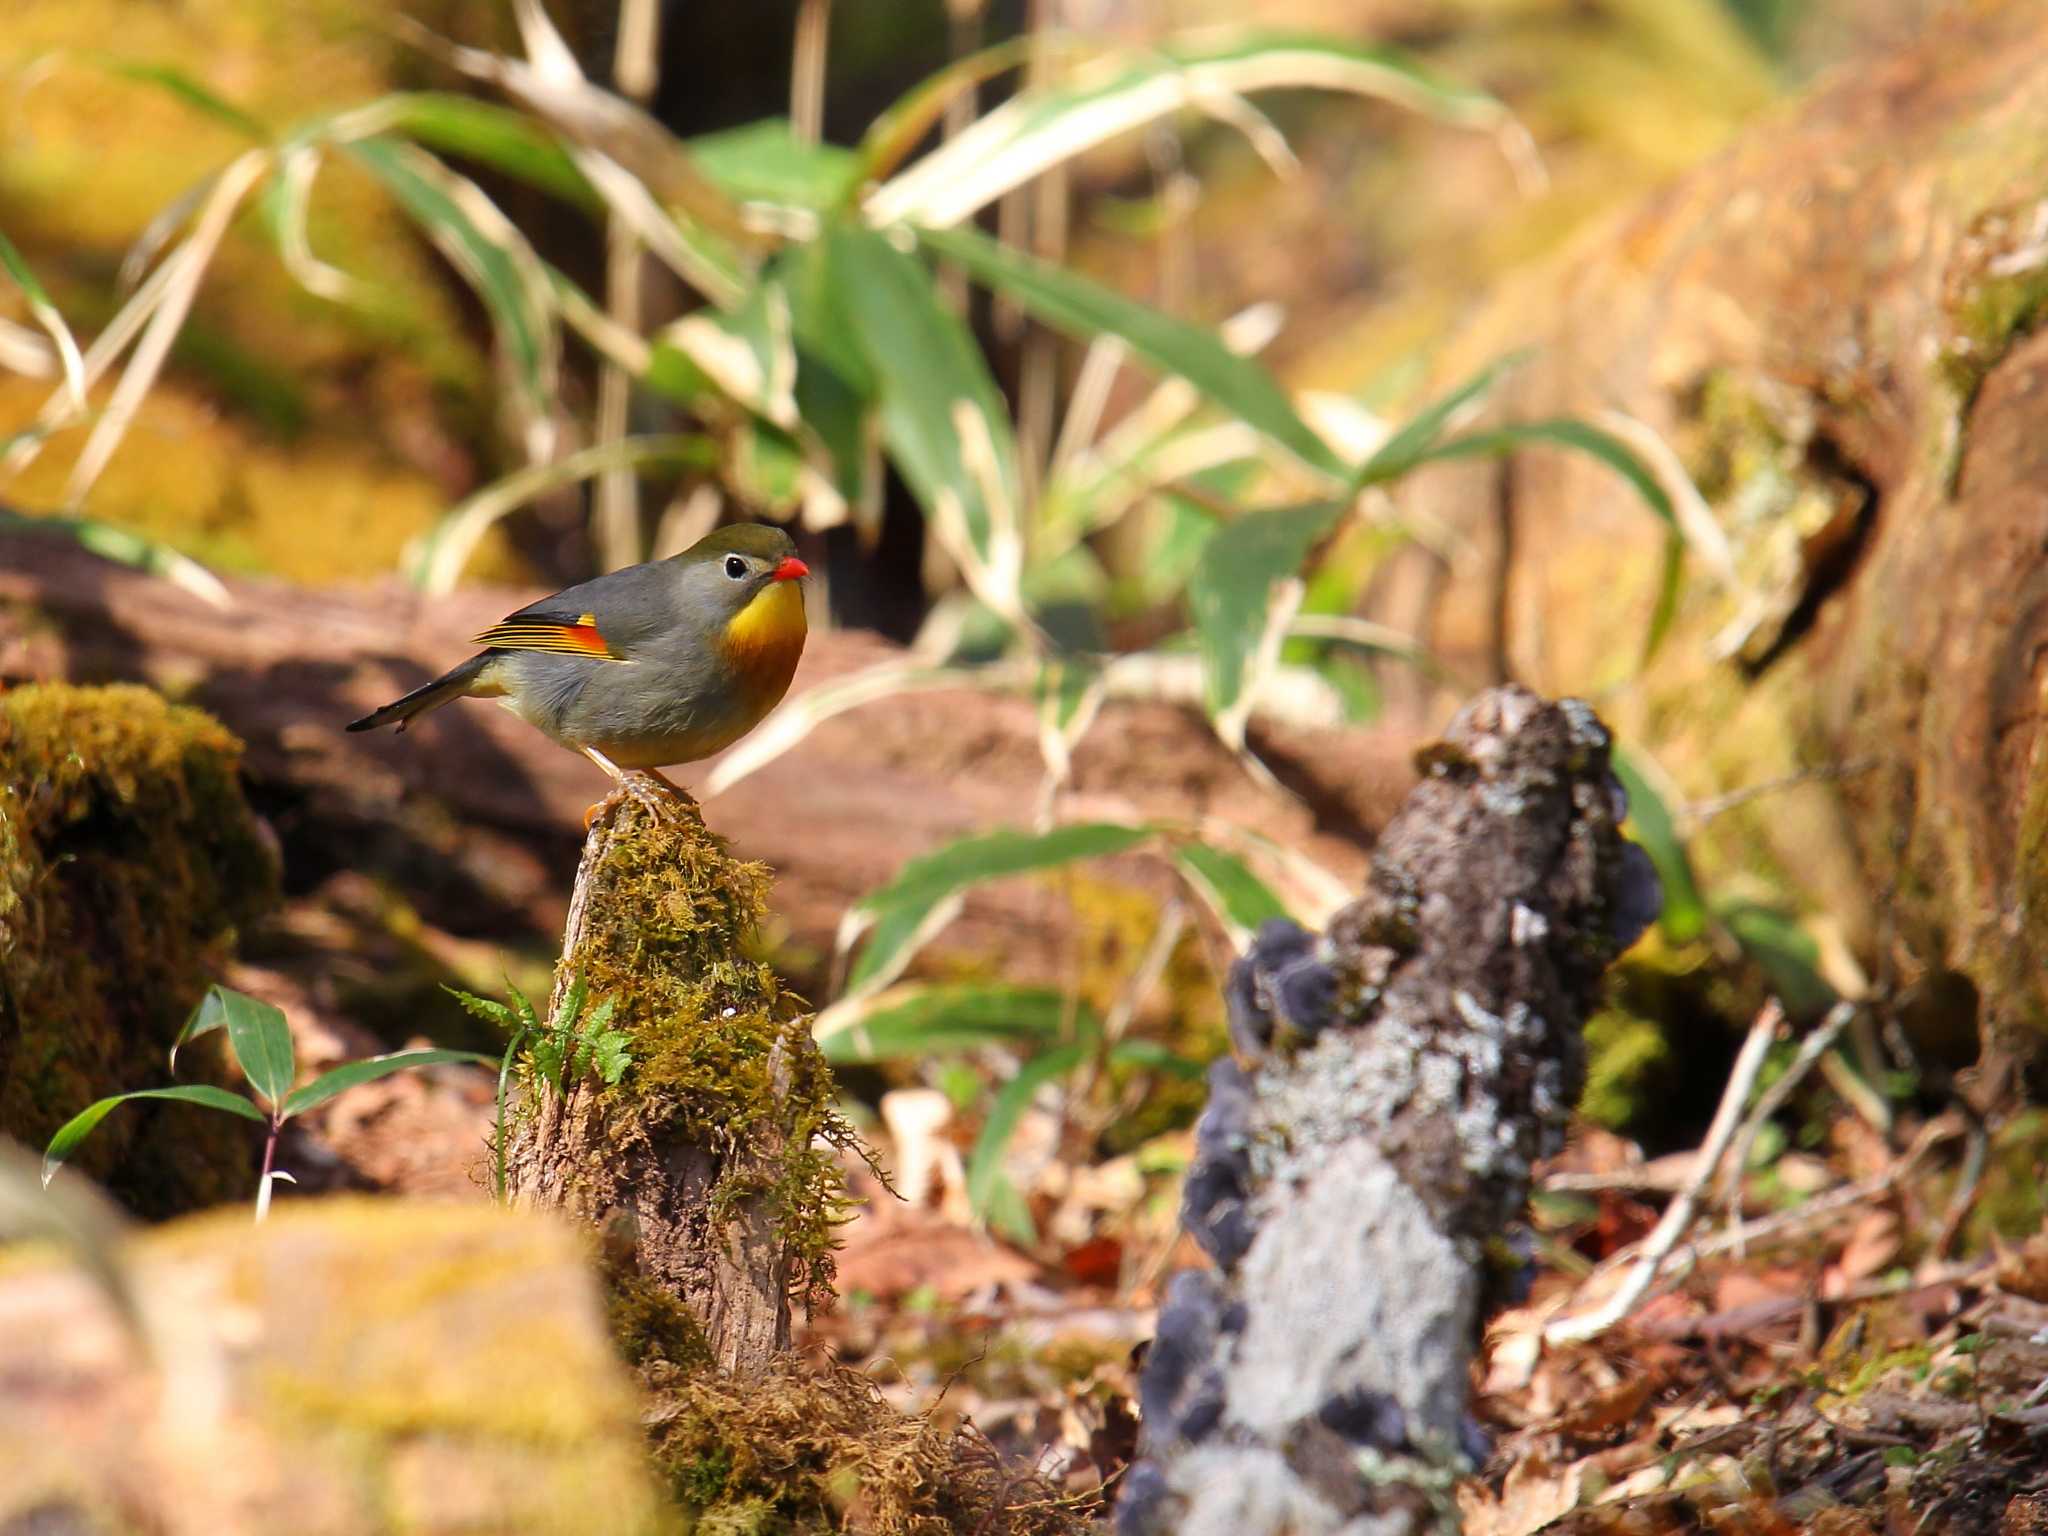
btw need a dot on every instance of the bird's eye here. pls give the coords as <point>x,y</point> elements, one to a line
<point>735,567</point>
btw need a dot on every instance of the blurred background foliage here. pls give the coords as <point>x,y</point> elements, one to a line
<point>330,398</point>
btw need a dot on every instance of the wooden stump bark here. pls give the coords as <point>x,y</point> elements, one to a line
<point>705,1164</point>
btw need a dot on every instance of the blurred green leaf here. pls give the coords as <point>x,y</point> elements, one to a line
<point>746,350</point>
<point>765,162</point>
<point>1419,435</point>
<point>927,366</point>
<point>80,1125</point>
<point>899,911</point>
<point>920,1022</point>
<point>901,126</point>
<point>985,1176</point>
<point>350,1074</point>
<point>496,263</point>
<point>1784,951</point>
<point>1239,898</point>
<point>181,86</point>
<point>1084,310</point>
<point>1651,823</point>
<point>1231,590</point>
<point>508,142</point>
<point>1040,128</point>
<point>126,548</point>
<point>1152,1056</point>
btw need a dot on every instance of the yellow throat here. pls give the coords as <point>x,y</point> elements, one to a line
<point>766,637</point>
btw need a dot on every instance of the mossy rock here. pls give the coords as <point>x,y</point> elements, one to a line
<point>128,862</point>
<point>359,1366</point>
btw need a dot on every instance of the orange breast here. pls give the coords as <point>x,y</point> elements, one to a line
<point>763,644</point>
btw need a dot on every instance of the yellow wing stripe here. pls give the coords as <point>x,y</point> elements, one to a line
<point>579,639</point>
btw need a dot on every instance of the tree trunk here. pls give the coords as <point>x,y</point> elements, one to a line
<point>1833,324</point>
<point>1362,1159</point>
<point>701,1164</point>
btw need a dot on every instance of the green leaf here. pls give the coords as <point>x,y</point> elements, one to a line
<point>1419,435</point>
<point>522,1008</point>
<point>570,1011</point>
<point>1040,128</point>
<point>611,1054</point>
<point>352,1073</point>
<point>921,1022</point>
<point>259,1036</point>
<point>190,92</point>
<point>1784,951</point>
<point>1231,590</point>
<point>1239,898</point>
<point>928,370</point>
<point>746,351</point>
<point>899,127</point>
<point>1651,822</point>
<point>80,1125</point>
<point>1084,310</point>
<point>899,910</point>
<point>495,261</point>
<point>487,1009</point>
<point>437,558</point>
<point>765,162</point>
<point>506,141</point>
<point>1153,1056</point>
<point>985,1177</point>
<point>125,548</point>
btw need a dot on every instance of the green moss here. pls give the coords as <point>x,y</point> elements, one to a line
<point>790,1454</point>
<point>128,861</point>
<point>722,1054</point>
<point>1626,1057</point>
<point>648,1324</point>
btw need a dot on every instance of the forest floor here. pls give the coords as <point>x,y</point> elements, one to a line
<point>1831,1345</point>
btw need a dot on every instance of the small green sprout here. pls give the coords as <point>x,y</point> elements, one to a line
<point>260,1041</point>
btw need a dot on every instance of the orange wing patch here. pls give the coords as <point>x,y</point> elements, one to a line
<point>535,634</point>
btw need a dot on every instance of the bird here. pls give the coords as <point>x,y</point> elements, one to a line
<point>645,667</point>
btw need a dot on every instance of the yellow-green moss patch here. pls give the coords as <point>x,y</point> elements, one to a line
<point>128,860</point>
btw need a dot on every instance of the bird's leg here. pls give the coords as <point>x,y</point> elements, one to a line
<point>656,801</point>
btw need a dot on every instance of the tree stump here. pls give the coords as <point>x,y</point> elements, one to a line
<point>708,1165</point>
<point>1363,1158</point>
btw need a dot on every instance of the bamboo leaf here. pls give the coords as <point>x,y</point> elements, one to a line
<point>493,257</point>
<point>765,162</point>
<point>80,1125</point>
<point>902,125</point>
<point>1651,823</point>
<point>943,420</point>
<point>1041,128</point>
<point>436,561</point>
<point>1412,445</point>
<point>45,315</point>
<point>987,1182</point>
<point>351,1074</point>
<point>506,141</point>
<point>898,911</point>
<point>259,1036</point>
<point>919,1022</point>
<point>1231,592</point>
<point>181,86</point>
<point>1083,310</point>
<point>1226,884</point>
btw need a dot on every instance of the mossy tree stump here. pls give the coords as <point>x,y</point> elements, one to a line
<point>709,1162</point>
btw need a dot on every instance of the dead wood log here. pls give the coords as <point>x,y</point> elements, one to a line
<point>1836,325</point>
<point>1365,1154</point>
<point>476,816</point>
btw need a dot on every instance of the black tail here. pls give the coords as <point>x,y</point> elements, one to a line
<point>452,684</point>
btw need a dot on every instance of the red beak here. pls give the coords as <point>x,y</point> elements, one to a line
<point>791,568</point>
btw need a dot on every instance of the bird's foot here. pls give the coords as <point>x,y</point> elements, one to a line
<point>655,795</point>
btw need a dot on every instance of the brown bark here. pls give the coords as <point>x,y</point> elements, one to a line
<point>475,815</point>
<point>1833,325</point>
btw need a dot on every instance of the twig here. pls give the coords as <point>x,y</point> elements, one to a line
<point>1698,812</point>
<point>1771,1100</point>
<point>1678,1215</point>
<point>807,70</point>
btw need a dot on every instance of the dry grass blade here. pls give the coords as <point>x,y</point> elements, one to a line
<point>183,272</point>
<point>1679,1214</point>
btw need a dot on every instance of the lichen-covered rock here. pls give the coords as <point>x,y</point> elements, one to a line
<point>350,1368</point>
<point>128,861</point>
<point>1355,1174</point>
